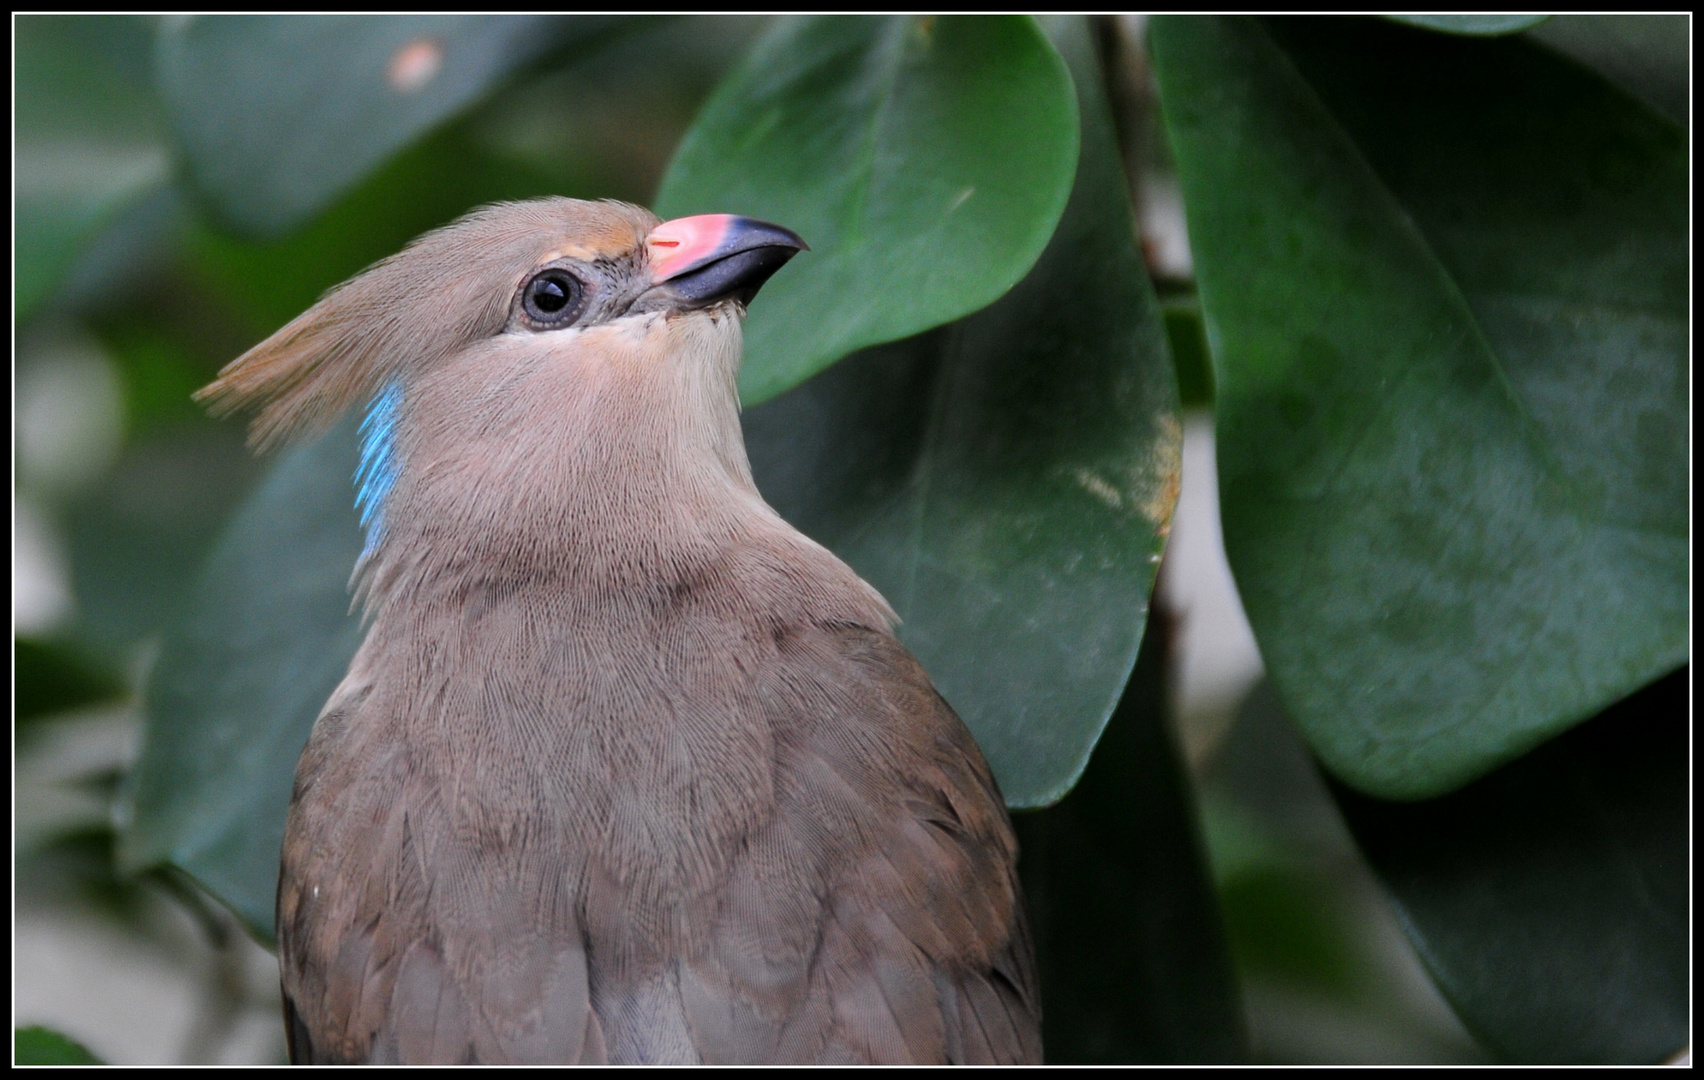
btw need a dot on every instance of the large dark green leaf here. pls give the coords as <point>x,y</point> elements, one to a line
<point>1445,282</point>
<point>277,115</point>
<point>1551,899</point>
<point>137,537</point>
<point>926,161</point>
<point>87,140</point>
<point>1129,942</point>
<point>267,635</point>
<point>1007,481</point>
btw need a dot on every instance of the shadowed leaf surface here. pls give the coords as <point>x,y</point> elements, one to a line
<point>926,161</point>
<point>1551,899</point>
<point>248,96</point>
<point>138,537</point>
<point>267,636</point>
<point>1445,285</point>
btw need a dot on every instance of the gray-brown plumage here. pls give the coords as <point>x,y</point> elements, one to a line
<point>627,769</point>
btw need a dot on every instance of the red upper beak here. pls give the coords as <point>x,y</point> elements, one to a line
<point>711,257</point>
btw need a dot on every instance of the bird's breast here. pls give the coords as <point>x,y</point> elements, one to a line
<point>625,724</point>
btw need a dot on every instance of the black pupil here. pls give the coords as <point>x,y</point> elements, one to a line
<point>549,295</point>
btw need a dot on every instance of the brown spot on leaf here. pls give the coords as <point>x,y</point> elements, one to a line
<point>1147,484</point>
<point>415,65</point>
<point>1168,471</point>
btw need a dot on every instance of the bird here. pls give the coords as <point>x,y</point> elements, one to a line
<point>626,768</point>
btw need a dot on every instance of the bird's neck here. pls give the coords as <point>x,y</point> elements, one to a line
<point>615,456</point>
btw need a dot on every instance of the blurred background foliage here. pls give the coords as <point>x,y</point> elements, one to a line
<point>1205,892</point>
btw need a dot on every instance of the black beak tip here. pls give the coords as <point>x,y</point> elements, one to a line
<point>750,253</point>
<point>750,232</point>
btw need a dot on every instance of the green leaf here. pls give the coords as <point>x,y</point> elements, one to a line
<point>925,159</point>
<point>1129,942</point>
<point>86,142</point>
<point>1551,899</point>
<point>1445,284</point>
<point>1007,481</point>
<point>51,676</point>
<point>277,115</point>
<point>267,635</point>
<point>37,1045</point>
<point>138,536</point>
<point>1472,25</point>
<point>1186,334</point>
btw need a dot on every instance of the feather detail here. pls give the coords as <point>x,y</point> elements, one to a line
<point>376,474</point>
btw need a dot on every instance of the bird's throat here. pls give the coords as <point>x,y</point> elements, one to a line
<point>613,453</point>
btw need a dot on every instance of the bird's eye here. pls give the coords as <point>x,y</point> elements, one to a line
<point>552,299</point>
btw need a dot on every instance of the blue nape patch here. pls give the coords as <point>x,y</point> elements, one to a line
<point>376,474</point>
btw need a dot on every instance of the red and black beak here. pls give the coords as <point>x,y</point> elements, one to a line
<point>700,260</point>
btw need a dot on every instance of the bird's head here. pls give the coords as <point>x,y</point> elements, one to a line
<point>529,346</point>
<point>549,269</point>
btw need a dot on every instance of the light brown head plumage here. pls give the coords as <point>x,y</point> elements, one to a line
<point>445,291</point>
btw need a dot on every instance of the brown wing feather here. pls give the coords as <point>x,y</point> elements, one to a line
<point>878,916</point>
<point>401,938</point>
